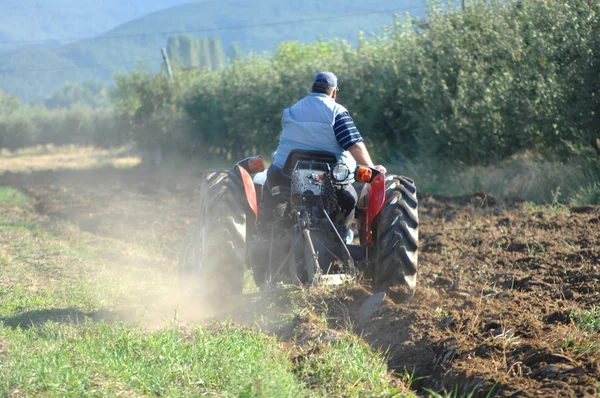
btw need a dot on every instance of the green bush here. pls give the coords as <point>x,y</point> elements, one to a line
<point>588,195</point>
<point>152,105</point>
<point>80,125</point>
<point>464,88</point>
<point>469,88</point>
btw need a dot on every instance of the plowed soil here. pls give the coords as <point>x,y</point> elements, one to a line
<point>499,282</point>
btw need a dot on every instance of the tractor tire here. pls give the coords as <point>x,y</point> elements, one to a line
<point>396,235</point>
<point>212,260</point>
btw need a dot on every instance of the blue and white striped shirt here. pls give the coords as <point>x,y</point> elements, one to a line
<point>345,131</point>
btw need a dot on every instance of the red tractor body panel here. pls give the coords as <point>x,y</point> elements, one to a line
<point>371,201</point>
<point>249,189</point>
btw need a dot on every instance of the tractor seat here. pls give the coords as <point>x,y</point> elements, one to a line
<point>307,156</point>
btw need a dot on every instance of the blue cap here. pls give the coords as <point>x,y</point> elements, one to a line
<point>325,79</point>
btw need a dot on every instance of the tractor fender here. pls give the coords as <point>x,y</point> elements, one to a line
<point>372,199</point>
<point>249,189</point>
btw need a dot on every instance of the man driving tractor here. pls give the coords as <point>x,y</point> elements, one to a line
<point>294,226</point>
<point>318,123</point>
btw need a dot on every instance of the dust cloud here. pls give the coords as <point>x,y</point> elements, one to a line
<point>498,281</point>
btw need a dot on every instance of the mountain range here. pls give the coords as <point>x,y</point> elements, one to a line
<point>35,72</point>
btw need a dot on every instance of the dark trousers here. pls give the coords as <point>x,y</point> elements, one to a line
<point>346,196</point>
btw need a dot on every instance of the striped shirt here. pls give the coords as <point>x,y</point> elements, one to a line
<point>345,131</point>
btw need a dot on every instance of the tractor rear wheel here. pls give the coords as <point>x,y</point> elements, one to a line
<point>396,235</point>
<point>212,260</point>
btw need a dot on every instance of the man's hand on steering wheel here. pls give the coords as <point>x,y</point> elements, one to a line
<point>380,168</point>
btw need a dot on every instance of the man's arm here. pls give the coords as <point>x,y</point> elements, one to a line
<point>350,139</point>
<point>360,153</point>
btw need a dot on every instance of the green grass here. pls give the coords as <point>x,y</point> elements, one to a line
<point>589,194</point>
<point>346,367</point>
<point>62,332</point>
<point>455,393</point>
<point>584,340</point>
<point>10,197</point>
<point>524,177</point>
<point>105,358</point>
<point>550,210</point>
<point>584,347</point>
<point>588,321</point>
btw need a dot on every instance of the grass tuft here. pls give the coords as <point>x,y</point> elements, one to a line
<point>588,195</point>
<point>347,367</point>
<point>10,197</point>
<point>549,210</point>
<point>588,321</point>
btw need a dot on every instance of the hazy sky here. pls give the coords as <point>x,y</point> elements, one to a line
<point>22,20</point>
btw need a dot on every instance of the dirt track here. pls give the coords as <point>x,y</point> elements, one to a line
<point>497,282</point>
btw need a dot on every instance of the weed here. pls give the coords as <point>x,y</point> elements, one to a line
<point>583,340</point>
<point>456,394</point>
<point>588,195</point>
<point>580,346</point>
<point>439,311</point>
<point>346,367</point>
<point>555,196</point>
<point>322,306</point>
<point>10,197</point>
<point>524,177</point>
<point>409,378</point>
<point>507,338</point>
<point>535,248</point>
<point>587,321</point>
<point>548,210</point>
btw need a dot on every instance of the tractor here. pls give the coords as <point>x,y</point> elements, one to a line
<point>291,233</point>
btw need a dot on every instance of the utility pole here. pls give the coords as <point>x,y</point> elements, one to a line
<point>167,63</point>
<point>463,4</point>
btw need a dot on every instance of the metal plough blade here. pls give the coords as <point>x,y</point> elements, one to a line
<point>370,305</point>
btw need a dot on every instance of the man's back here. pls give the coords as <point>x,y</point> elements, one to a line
<point>309,125</point>
<point>318,123</point>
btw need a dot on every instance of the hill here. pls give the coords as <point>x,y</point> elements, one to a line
<point>49,23</point>
<point>34,74</point>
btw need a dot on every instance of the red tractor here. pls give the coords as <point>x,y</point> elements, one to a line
<point>290,233</point>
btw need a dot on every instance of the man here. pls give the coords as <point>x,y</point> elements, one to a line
<point>318,123</point>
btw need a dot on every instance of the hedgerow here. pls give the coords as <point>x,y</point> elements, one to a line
<point>465,87</point>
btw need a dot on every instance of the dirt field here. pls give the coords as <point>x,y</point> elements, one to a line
<point>498,285</point>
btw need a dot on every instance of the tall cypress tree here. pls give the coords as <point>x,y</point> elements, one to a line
<point>205,56</point>
<point>216,52</point>
<point>174,51</point>
<point>186,49</point>
<point>195,54</point>
<point>235,52</point>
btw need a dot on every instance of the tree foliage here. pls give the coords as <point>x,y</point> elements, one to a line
<point>235,52</point>
<point>187,52</point>
<point>91,94</point>
<point>152,105</point>
<point>22,126</point>
<point>465,87</point>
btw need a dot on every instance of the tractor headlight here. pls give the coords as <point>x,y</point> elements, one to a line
<point>341,172</point>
